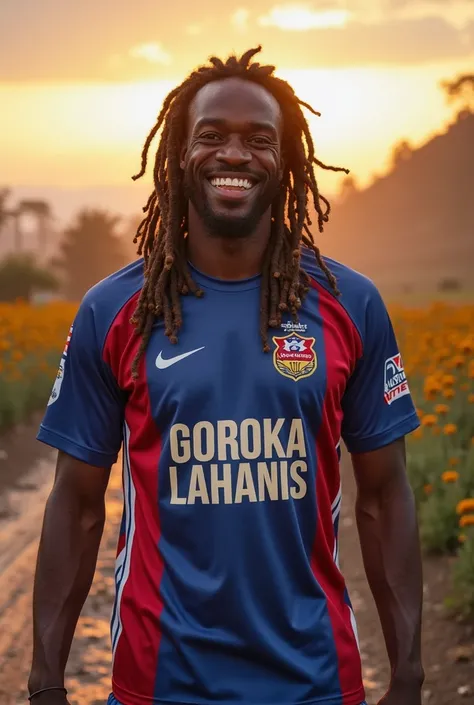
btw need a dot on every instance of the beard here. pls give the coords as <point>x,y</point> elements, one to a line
<point>227,225</point>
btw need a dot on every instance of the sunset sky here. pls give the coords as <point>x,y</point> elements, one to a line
<point>81,82</point>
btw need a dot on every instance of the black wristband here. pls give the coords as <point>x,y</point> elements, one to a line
<point>44,690</point>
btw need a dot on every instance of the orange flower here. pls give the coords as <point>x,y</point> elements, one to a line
<point>466,520</point>
<point>467,345</point>
<point>450,429</point>
<point>441,409</point>
<point>418,433</point>
<point>429,420</point>
<point>449,380</point>
<point>450,476</point>
<point>449,393</point>
<point>453,462</point>
<point>458,361</point>
<point>462,538</point>
<point>465,505</point>
<point>428,489</point>
<point>432,387</point>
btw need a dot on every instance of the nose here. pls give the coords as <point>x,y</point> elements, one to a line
<point>234,152</point>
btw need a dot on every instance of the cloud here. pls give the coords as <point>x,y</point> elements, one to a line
<point>152,52</point>
<point>240,18</point>
<point>303,18</point>
<point>403,3</point>
<point>194,29</point>
<point>57,41</point>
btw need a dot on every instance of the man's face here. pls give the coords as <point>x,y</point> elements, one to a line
<point>232,157</point>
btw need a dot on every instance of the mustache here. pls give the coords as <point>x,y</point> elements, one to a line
<point>234,170</point>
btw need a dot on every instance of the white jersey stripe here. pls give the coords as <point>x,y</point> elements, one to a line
<point>130,496</point>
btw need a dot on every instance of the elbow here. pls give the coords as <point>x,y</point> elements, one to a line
<point>92,517</point>
<point>374,499</point>
<point>86,514</point>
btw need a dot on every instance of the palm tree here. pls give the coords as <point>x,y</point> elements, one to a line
<point>15,215</point>
<point>4,212</point>
<point>41,210</point>
<point>11,214</point>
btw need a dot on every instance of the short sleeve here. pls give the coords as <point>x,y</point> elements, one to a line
<point>84,416</point>
<point>377,405</point>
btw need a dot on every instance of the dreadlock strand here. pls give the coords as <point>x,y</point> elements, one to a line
<point>148,325</point>
<point>308,107</point>
<point>247,56</point>
<point>265,299</point>
<point>175,308</point>
<point>330,168</point>
<point>162,115</point>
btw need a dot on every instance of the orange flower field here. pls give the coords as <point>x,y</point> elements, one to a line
<point>31,341</point>
<point>437,345</point>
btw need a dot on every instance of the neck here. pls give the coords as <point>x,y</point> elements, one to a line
<point>224,257</point>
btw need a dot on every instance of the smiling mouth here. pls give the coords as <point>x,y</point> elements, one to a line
<point>232,184</point>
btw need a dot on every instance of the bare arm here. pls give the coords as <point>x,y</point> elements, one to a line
<point>388,530</point>
<point>70,539</point>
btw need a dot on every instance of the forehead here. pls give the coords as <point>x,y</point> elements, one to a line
<point>235,101</point>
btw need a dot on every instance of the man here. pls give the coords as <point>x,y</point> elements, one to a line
<point>227,580</point>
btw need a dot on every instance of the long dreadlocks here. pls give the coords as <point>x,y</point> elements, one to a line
<point>161,234</point>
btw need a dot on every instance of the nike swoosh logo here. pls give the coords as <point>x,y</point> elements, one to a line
<point>163,364</point>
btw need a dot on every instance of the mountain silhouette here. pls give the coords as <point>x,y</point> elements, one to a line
<point>413,227</point>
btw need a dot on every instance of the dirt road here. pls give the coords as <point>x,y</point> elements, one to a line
<point>448,646</point>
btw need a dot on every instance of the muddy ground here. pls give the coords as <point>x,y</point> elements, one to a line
<point>26,474</point>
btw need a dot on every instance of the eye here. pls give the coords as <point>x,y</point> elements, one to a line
<point>210,136</point>
<point>260,141</point>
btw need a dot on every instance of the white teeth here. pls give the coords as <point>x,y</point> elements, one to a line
<point>236,183</point>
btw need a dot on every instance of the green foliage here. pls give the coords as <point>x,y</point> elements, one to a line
<point>90,250</point>
<point>439,526</point>
<point>463,597</point>
<point>25,393</point>
<point>21,278</point>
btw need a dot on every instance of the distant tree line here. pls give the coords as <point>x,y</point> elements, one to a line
<point>458,91</point>
<point>89,249</point>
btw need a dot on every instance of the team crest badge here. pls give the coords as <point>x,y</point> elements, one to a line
<point>294,356</point>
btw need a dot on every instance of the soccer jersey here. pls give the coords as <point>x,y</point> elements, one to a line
<point>228,587</point>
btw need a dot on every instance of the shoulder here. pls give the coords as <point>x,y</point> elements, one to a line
<point>350,283</point>
<point>359,297</point>
<point>103,302</point>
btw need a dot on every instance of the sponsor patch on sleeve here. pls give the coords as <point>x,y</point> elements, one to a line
<point>60,375</point>
<point>395,383</point>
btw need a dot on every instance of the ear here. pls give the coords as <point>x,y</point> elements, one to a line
<point>182,156</point>
<point>281,169</point>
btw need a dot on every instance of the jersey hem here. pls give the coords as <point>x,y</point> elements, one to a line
<point>362,445</point>
<point>66,445</point>
<point>126,698</point>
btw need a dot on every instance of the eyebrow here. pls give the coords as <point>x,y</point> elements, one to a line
<point>253,125</point>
